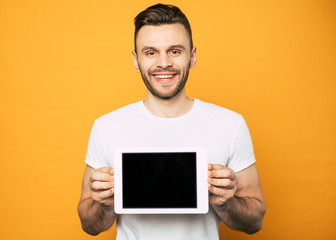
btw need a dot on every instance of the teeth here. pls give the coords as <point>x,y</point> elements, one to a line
<point>164,76</point>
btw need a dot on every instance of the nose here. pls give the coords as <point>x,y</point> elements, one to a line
<point>164,61</point>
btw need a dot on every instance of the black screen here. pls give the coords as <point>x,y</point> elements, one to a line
<point>159,180</point>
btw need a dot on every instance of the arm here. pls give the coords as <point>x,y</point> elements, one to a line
<point>96,206</point>
<point>237,198</point>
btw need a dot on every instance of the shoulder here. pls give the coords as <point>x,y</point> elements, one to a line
<point>119,114</point>
<point>217,112</point>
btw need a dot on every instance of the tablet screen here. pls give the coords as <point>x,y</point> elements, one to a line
<point>159,180</point>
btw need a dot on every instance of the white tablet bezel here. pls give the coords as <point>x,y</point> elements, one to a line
<point>202,185</point>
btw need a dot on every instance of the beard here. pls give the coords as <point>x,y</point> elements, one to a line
<point>166,96</point>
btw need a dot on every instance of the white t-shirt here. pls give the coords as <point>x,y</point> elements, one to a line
<point>223,133</point>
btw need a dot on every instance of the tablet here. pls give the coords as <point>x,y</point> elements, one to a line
<point>161,181</point>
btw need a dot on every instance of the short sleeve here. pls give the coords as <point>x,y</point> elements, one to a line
<point>242,154</point>
<point>95,155</point>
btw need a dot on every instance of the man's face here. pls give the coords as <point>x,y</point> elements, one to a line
<point>163,57</point>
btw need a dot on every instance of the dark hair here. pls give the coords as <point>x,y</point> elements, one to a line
<point>160,14</point>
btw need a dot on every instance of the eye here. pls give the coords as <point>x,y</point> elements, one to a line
<point>175,52</point>
<point>150,53</point>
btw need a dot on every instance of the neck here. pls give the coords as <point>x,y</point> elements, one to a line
<point>169,108</point>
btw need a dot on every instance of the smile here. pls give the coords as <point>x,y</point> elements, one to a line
<point>164,78</point>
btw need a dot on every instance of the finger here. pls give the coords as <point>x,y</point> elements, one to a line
<point>108,201</point>
<point>100,176</point>
<point>215,166</point>
<point>222,192</point>
<point>106,194</point>
<point>217,200</point>
<point>108,170</point>
<point>97,185</point>
<point>222,173</point>
<point>221,182</point>
<point>216,190</point>
<point>101,196</point>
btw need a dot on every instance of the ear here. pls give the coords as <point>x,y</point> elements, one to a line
<point>193,58</point>
<point>135,60</point>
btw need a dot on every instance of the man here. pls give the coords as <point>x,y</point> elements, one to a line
<point>163,54</point>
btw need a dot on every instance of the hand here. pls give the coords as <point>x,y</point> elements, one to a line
<point>222,184</point>
<point>102,185</point>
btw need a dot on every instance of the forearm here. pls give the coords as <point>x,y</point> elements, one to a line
<point>95,217</point>
<point>242,213</point>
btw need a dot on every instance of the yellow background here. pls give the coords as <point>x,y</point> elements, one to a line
<point>65,63</point>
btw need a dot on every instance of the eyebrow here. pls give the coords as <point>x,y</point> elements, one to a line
<point>178,46</point>
<point>170,47</point>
